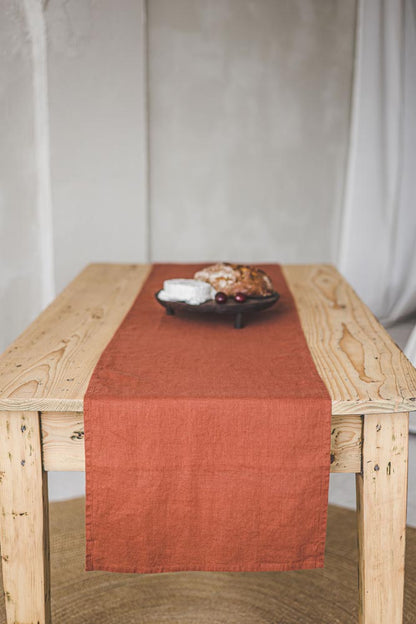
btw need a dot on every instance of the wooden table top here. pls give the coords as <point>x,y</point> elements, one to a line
<point>49,366</point>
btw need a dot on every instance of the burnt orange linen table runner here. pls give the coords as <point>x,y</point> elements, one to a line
<point>207,447</point>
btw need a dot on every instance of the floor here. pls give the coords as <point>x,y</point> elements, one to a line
<point>325,596</point>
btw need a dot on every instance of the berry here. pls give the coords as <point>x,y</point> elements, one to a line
<point>240,297</point>
<point>221,297</point>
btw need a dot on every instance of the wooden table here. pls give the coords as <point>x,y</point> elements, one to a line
<point>45,372</point>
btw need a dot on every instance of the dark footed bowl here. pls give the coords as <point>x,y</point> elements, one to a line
<point>230,307</point>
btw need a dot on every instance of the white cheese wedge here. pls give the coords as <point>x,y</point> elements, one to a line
<point>190,291</point>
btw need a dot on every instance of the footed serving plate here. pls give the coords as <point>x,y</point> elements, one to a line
<point>230,307</point>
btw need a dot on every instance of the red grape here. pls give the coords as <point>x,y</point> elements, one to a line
<point>240,297</point>
<point>221,297</point>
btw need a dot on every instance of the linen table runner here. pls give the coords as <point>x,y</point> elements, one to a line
<point>207,448</point>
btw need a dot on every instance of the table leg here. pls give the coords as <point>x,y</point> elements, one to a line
<point>381,508</point>
<point>24,527</point>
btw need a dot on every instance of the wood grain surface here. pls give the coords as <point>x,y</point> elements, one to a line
<point>24,529</point>
<point>364,370</point>
<point>63,442</point>
<point>381,511</point>
<point>48,368</point>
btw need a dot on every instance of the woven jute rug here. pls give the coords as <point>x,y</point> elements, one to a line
<point>327,596</point>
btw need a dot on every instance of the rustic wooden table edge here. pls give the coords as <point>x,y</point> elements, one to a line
<point>49,366</point>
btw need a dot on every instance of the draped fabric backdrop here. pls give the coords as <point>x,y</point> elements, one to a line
<point>378,234</point>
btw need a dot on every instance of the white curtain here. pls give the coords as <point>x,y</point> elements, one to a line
<point>410,351</point>
<point>411,347</point>
<point>378,234</point>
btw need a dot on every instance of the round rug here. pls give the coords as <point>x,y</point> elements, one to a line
<point>327,596</point>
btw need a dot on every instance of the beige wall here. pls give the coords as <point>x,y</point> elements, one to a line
<point>247,126</point>
<point>20,247</point>
<point>96,61</point>
<point>249,122</point>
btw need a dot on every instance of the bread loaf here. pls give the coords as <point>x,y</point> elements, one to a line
<point>236,278</point>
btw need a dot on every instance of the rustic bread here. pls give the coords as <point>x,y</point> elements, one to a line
<point>236,278</point>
